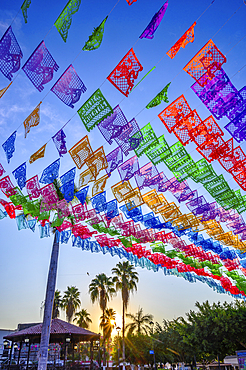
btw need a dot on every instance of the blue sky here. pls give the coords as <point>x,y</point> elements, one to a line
<point>24,257</point>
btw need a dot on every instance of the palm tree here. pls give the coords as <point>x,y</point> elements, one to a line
<point>107,324</point>
<point>140,323</point>
<point>101,289</point>
<point>56,304</point>
<point>71,301</point>
<point>125,280</point>
<point>82,319</point>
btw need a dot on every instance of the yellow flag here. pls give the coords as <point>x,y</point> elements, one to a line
<point>32,120</point>
<point>38,154</point>
<point>3,91</point>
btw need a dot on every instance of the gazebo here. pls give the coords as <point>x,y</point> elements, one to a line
<point>62,333</point>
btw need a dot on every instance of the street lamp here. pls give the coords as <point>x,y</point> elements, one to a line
<point>118,332</point>
<point>153,352</point>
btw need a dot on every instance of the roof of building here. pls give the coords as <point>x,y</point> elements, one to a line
<point>59,331</point>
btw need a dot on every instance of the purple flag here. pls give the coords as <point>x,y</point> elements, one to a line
<point>112,126</point>
<point>60,142</point>
<point>20,175</point>
<point>149,31</point>
<point>69,87</point>
<point>40,67</point>
<point>10,54</point>
<point>114,158</point>
<point>128,168</point>
<point>146,175</point>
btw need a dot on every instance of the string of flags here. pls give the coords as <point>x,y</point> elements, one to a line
<point>53,204</point>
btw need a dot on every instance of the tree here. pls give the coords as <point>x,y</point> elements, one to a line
<point>140,323</point>
<point>56,304</point>
<point>107,324</point>
<point>125,280</point>
<point>71,301</point>
<point>101,289</point>
<point>82,319</point>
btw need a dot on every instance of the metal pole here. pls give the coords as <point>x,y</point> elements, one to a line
<point>219,361</point>
<point>10,355</point>
<point>118,351</point>
<point>28,354</point>
<point>18,361</point>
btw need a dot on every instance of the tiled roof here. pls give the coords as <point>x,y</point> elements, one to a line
<point>57,327</point>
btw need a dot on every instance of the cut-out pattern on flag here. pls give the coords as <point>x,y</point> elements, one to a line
<point>99,202</point>
<point>162,96</point>
<point>33,187</point>
<point>208,60</point>
<point>124,74</point>
<point>69,87</point>
<point>60,142</point>
<point>31,224</point>
<point>81,151</point>
<point>176,112</point>
<point>130,2</point>
<point>187,37</point>
<point>125,139</point>
<point>40,67</point>
<point>135,214</point>
<point>121,190</point>
<point>32,120</point>
<point>94,110</point>
<point>95,39</point>
<point>38,154</point>
<point>128,168</point>
<point>97,161</point>
<point>237,127</point>
<point>68,176</point>
<point>99,185</point>
<point>148,139</point>
<point>68,190</point>
<point>7,187</point>
<point>64,20</point>
<point>82,194</point>
<point>2,170</point>
<point>50,173</point>
<point>80,211</point>
<point>49,195</point>
<point>149,31</point>
<point>86,177</point>
<point>237,105</point>
<point>134,199</point>
<point>146,175</point>
<point>114,158</point>
<point>9,146</point>
<point>3,91</point>
<point>20,175</point>
<point>113,125</point>
<point>216,93</point>
<point>44,231</point>
<point>21,222</point>
<point>158,152</point>
<point>24,8</point>
<point>10,54</point>
<point>112,209</point>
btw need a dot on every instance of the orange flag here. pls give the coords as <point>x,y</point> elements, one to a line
<point>38,154</point>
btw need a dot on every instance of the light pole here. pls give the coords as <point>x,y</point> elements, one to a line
<point>152,325</point>
<point>118,332</point>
